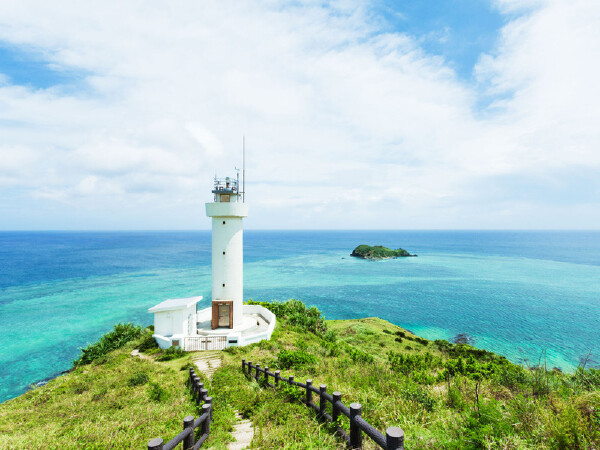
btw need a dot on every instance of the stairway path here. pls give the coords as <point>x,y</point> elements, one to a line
<point>207,362</point>
<point>243,432</point>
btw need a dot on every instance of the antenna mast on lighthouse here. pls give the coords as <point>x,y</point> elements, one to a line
<point>244,169</point>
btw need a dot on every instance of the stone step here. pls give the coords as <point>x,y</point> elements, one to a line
<point>243,433</point>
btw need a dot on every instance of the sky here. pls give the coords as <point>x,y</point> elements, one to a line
<point>414,114</point>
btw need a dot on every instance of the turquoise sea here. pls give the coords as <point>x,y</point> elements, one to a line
<point>517,293</point>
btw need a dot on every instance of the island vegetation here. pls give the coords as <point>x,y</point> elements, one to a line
<point>378,252</point>
<point>444,396</point>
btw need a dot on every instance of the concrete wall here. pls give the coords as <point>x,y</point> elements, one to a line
<point>268,316</point>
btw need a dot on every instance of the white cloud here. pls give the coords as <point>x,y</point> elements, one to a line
<point>345,125</point>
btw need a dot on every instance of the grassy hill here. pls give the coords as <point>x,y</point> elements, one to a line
<point>442,395</point>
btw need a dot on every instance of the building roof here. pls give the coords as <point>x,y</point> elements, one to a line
<point>175,303</point>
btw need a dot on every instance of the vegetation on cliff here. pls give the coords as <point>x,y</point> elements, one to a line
<point>448,396</point>
<point>378,252</point>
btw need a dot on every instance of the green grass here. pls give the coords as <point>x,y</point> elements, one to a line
<point>444,396</point>
<point>117,401</point>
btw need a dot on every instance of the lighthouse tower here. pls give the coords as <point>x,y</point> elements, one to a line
<point>227,211</point>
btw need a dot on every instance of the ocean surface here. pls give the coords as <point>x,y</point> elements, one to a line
<point>517,293</point>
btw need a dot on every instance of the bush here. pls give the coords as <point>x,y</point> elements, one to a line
<point>419,395</point>
<point>171,353</point>
<point>358,356</point>
<point>156,393</point>
<point>121,334</point>
<point>148,343</point>
<point>137,380</point>
<point>287,359</point>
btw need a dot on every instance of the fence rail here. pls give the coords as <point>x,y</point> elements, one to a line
<point>394,436</point>
<point>187,436</point>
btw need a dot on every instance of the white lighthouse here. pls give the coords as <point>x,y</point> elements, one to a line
<point>227,322</point>
<point>227,211</point>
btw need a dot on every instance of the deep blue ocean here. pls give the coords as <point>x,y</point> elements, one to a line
<point>517,293</point>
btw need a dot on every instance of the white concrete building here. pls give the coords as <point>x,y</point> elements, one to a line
<point>227,322</point>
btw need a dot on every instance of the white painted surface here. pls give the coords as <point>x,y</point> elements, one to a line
<point>175,303</point>
<point>228,254</point>
<point>174,319</point>
<point>235,209</point>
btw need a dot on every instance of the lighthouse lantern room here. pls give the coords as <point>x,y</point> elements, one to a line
<point>227,212</point>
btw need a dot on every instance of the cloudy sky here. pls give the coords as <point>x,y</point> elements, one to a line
<point>414,114</point>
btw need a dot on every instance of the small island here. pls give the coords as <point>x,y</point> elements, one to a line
<point>378,252</point>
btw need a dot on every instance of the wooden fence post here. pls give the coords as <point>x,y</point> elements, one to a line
<point>209,401</point>
<point>322,400</point>
<point>355,431</point>
<point>188,441</point>
<point>257,372</point>
<point>244,366</point>
<point>199,389</point>
<point>335,410</point>
<point>394,438</point>
<point>156,444</point>
<point>266,375</point>
<point>203,394</point>
<point>291,379</point>
<point>206,408</point>
<point>277,377</point>
<point>308,392</point>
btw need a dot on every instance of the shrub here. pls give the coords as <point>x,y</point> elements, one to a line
<point>137,379</point>
<point>419,395</point>
<point>287,359</point>
<point>121,334</point>
<point>156,393</point>
<point>358,356</point>
<point>172,353</point>
<point>148,343</point>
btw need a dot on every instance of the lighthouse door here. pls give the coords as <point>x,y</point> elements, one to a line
<point>224,315</point>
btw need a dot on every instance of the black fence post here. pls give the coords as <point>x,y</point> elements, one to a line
<point>266,374</point>
<point>156,444</point>
<point>291,379</point>
<point>244,366</point>
<point>206,408</point>
<point>203,394</point>
<point>394,438</point>
<point>308,392</point>
<point>257,372</point>
<point>335,410</point>
<point>355,431</point>
<point>188,441</point>
<point>209,401</point>
<point>277,377</point>
<point>322,401</point>
<point>199,388</point>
